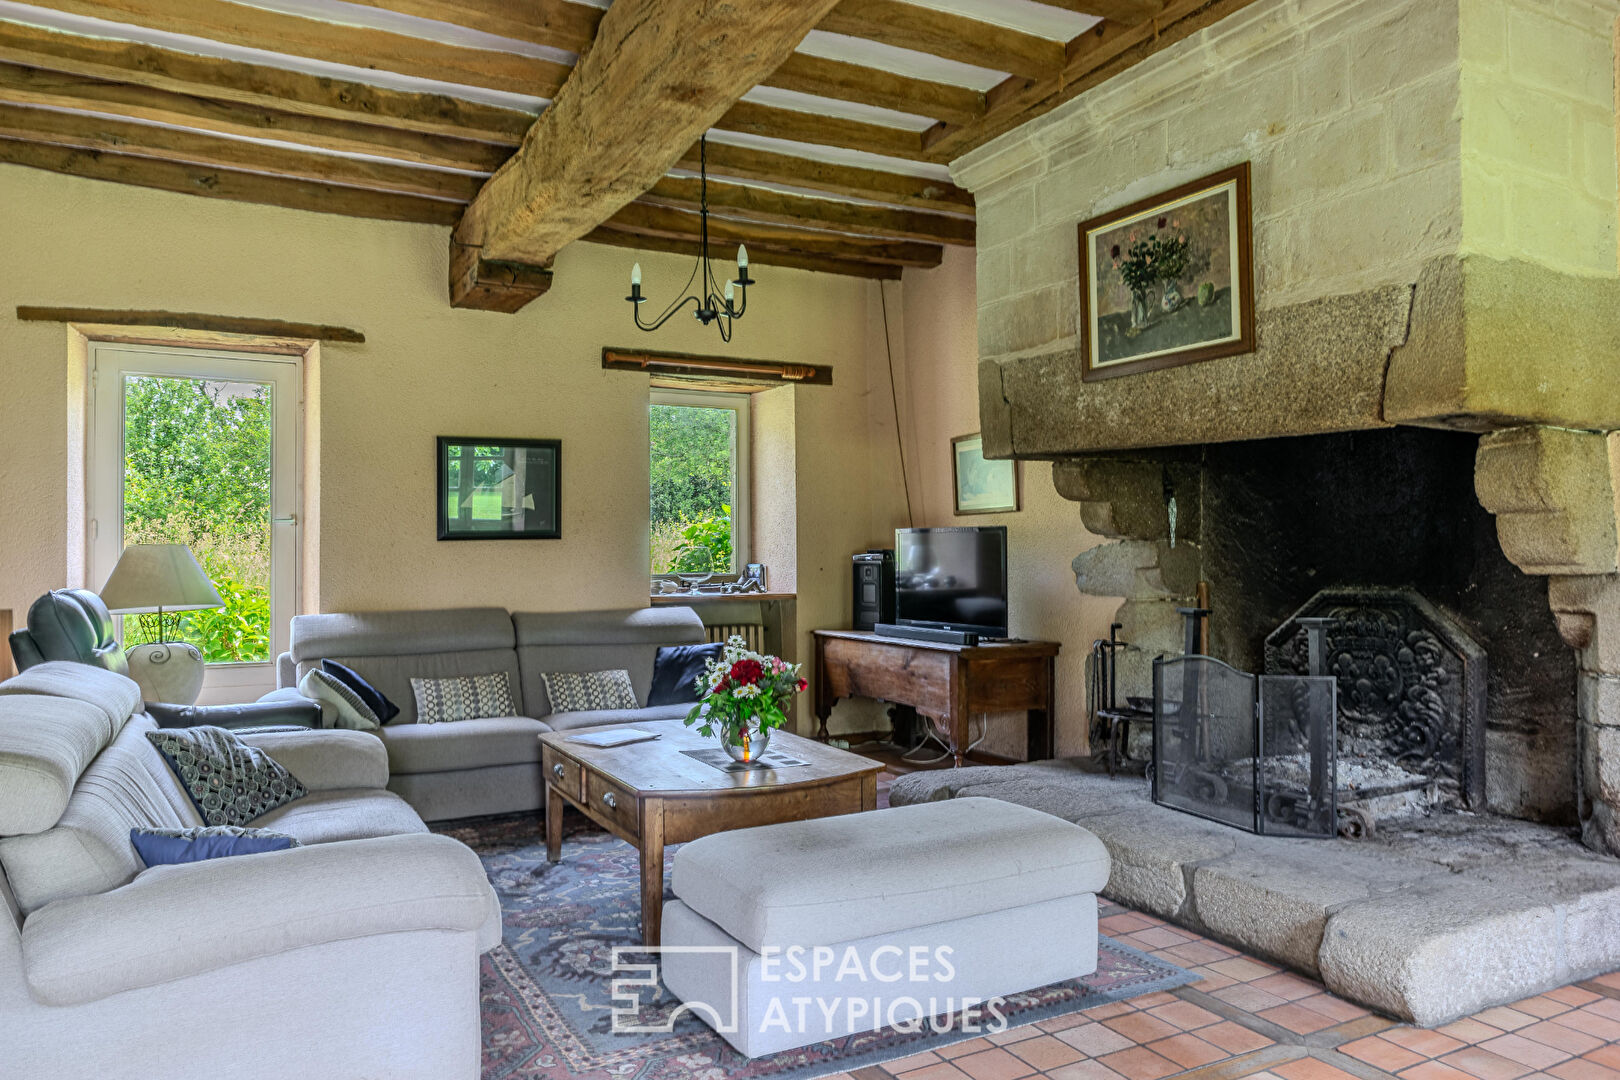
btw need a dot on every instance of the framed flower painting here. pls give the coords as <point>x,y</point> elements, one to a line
<point>1168,280</point>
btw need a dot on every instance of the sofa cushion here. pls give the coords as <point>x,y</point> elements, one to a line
<point>392,675</point>
<point>373,698</point>
<point>597,641</point>
<point>341,706</point>
<point>677,669</point>
<point>117,696</point>
<point>465,744</point>
<point>399,633</point>
<point>356,814</point>
<point>229,781</point>
<point>463,697</point>
<point>836,879</point>
<point>567,721</point>
<point>169,847</point>
<point>580,691</point>
<point>45,744</point>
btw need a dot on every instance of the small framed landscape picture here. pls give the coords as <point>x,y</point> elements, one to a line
<point>499,489</point>
<point>1168,280</point>
<point>983,487</point>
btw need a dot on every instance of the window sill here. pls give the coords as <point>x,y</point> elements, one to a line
<point>687,598</point>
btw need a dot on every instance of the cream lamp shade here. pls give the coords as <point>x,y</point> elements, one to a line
<point>158,577</point>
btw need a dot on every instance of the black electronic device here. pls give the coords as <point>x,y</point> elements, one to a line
<point>952,580</point>
<point>926,633</point>
<point>874,588</point>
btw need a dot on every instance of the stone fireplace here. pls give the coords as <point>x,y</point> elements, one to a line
<point>1432,402</point>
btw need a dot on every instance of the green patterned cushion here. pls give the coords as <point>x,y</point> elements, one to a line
<point>589,691</point>
<point>230,782</point>
<point>462,697</point>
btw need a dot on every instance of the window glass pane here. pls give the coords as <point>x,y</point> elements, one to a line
<point>693,485</point>
<point>197,472</point>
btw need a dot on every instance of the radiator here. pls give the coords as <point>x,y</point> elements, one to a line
<point>753,633</point>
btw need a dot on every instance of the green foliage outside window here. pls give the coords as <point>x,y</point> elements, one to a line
<point>691,480</point>
<point>197,472</point>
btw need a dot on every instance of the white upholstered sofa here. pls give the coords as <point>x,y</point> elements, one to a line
<point>490,766</point>
<point>356,955</point>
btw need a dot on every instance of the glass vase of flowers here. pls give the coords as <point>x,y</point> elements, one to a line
<point>745,696</point>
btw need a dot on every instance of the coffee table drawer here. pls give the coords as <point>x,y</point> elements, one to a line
<point>562,773</point>
<point>609,800</point>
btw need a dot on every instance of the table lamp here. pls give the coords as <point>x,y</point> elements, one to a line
<point>162,579</point>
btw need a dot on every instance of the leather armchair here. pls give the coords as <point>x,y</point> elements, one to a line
<point>73,624</point>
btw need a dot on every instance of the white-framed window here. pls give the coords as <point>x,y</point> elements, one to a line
<point>200,446</point>
<point>699,481</point>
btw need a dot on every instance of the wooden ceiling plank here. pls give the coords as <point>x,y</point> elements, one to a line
<point>606,234</point>
<point>941,33</point>
<point>315,39</point>
<point>659,75</point>
<point>820,130</point>
<point>30,86</point>
<point>557,23</point>
<point>766,166</point>
<point>228,184</point>
<point>725,234</point>
<point>1125,12</point>
<point>99,133</point>
<point>780,208</point>
<point>258,84</point>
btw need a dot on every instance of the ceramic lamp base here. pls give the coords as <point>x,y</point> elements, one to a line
<point>171,672</point>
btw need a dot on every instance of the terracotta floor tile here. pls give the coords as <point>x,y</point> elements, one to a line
<point>1188,1051</point>
<point>1185,1015</point>
<point>1141,1028</point>
<point>1385,1055</point>
<point>1158,997</point>
<point>1124,923</point>
<point>1095,1040</point>
<point>1140,1063</point>
<point>1505,1018</point>
<point>1201,952</point>
<point>1611,980</point>
<point>915,1061</point>
<point>1014,1034</point>
<point>1062,1023</point>
<point>1590,1023</point>
<point>993,1064</point>
<point>1233,1038</point>
<point>1336,1009</point>
<point>1485,1065</point>
<point>1582,1069</point>
<point>1561,1037</point>
<point>1434,1070</point>
<point>1046,1052</point>
<point>1607,1007</point>
<point>1572,995</point>
<point>1423,1041</point>
<point>1243,969</point>
<point>1211,981</point>
<point>1526,1051</point>
<point>1162,937</point>
<point>942,1071</point>
<point>1470,1030</point>
<point>1297,1018</point>
<point>961,1049</point>
<point>1309,1068</point>
<point>1287,986</point>
<point>1112,1008</point>
<point>1541,1006</point>
<point>1248,998</point>
<point>1608,1055</point>
<point>1084,1070</point>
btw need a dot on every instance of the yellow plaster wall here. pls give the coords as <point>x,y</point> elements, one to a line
<point>425,370</point>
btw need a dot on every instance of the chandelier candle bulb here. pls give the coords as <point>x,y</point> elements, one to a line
<point>635,275</point>
<point>731,291</point>
<point>742,258</point>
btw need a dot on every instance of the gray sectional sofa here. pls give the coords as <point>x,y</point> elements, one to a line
<point>475,767</point>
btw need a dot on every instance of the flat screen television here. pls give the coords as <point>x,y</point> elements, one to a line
<point>952,579</point>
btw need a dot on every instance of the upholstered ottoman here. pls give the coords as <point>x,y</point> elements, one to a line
<point>787,935</point>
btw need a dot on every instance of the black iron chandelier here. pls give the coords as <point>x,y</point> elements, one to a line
<point>714,304</point>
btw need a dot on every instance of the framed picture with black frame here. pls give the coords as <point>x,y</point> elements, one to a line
<point>499,489</point>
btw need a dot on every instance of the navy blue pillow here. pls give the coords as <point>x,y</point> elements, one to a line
<point>375,701</point>
<point>676,670</point>
<point>164,847</point>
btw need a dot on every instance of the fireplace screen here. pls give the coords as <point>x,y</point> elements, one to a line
<point>1253,752</point>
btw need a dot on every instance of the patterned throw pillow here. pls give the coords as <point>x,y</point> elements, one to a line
<point>590,691</point>
<point>462,697</point>
<point>341,707</point>
<point>165,847</point>
<point>230,782</point>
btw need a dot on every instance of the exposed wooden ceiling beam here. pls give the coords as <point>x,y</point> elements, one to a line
<point>779,208</point>
<point>227,184</point>
<point>315,39</point>
<point>258,84</point>
<point>747,163</point>
<point>954,37</point>
<point>557,23</point>
<point>1127,12</point>
<point>807,127</point>
<point>659,75</point>
<point>725,234</point>
<point>608,234</point>
<point>29,86</point>
<point>99,133</point>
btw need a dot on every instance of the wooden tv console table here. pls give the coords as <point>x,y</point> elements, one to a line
<point>949,684</point>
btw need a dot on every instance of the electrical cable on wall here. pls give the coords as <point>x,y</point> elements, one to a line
<point>894,399</point>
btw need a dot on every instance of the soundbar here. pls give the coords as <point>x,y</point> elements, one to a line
<point>926,633</point>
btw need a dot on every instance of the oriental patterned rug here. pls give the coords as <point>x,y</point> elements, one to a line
<point>546,999</point>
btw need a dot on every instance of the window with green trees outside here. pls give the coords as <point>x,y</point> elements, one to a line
<point>698,474</point>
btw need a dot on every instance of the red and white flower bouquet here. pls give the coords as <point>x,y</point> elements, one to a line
<point>745,696</point>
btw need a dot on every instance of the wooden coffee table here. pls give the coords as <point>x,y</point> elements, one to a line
<point>649,794</point>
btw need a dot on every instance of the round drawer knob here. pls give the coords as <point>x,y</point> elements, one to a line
<point>609,801</point>
<point>557,770</point>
